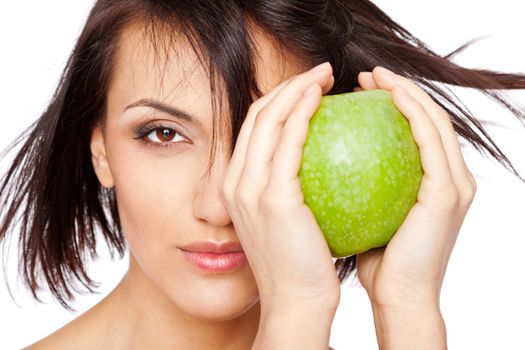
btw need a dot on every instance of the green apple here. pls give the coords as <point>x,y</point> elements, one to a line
<point>360,171</point>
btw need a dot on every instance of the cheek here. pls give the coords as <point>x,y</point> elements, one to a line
<point>152,189</point>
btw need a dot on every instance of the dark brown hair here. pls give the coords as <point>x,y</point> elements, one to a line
<point>51,194</point>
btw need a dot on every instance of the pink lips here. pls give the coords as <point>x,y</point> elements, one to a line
<point>214,257</point>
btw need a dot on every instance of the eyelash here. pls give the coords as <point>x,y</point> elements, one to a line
<point>144,131</point>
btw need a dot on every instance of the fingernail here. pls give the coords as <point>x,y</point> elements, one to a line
<point>311,89</point>
<point>399,90</point>
<point>385,71</point>
<point>320,67</point>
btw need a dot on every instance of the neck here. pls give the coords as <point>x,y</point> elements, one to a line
<point>143,315</point>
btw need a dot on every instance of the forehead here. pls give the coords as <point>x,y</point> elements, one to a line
<point>145,68</point>
<point>166,68</point>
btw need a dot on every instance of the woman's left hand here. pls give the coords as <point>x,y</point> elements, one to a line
<point>409,271</point>
<point>286,250</point>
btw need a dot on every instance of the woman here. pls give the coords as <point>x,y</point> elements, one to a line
<point>114,153</point>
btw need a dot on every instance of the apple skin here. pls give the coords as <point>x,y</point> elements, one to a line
<point>360,171</point>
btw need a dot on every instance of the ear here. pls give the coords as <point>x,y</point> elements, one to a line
<point>99,159</point>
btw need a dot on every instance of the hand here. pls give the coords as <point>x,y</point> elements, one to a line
<point>411,268</point>
<point>285,248</point>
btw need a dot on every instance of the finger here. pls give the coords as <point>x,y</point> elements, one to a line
<point>232,175</point>
<point>366,81</point>
<point>433,158</point>
<point>288,153</point>
<point>328,86</point>
<point>367,263</point>
<point>269,122</point>
<point>460,173</point>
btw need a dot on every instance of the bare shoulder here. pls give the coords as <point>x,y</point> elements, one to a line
<point>57,340</point>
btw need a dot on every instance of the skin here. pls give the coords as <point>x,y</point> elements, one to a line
<point>254,197</point>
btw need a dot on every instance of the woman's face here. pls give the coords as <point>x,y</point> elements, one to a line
<point>164,199</point>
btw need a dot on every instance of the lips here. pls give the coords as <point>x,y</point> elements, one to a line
<point>214,257</point>
<point>213,247</point>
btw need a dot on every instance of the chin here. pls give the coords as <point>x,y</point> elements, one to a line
<point>223,310</point>
<point>215,297</point>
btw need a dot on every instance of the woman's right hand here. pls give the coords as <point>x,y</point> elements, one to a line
<point>285,248</point>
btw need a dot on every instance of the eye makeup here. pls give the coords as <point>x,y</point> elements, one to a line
<point>160,135</point>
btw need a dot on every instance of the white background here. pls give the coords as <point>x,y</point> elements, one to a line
<point>483,299</point>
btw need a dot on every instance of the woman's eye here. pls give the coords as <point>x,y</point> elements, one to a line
<point>161,135</point>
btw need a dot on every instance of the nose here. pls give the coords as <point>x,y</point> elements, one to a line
<point>208,204</point>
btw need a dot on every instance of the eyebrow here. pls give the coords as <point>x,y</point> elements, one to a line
<point>174,112</point>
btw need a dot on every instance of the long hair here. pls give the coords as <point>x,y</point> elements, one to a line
<point>50,192</point>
